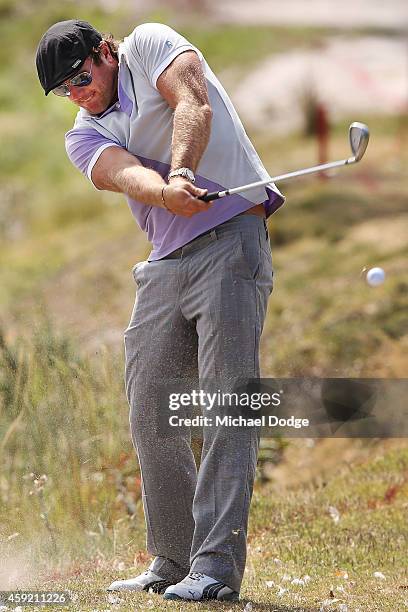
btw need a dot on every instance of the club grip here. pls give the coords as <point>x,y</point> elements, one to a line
<point>214,195</point>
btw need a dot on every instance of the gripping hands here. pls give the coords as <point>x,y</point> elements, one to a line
<point>181,197</point>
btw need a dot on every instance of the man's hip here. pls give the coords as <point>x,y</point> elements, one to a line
<point>258,211</point>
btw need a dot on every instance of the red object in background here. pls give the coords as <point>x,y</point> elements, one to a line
<point>322,132</point>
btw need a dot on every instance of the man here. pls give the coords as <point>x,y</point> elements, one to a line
<point>156,125</point>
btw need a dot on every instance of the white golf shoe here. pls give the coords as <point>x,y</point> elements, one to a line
<point>148,581</point>
<point>199,587</point>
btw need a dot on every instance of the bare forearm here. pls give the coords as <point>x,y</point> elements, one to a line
<point>141,184</point>
<point>118,170</point>
<point>191,133</point>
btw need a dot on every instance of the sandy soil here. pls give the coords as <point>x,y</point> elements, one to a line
<point>392,14</point>
<point>354,77</point>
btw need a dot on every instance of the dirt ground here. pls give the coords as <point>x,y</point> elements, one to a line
<point>355,77</point>
<point>348,13</point>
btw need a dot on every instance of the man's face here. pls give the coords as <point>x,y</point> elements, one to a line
<point>102,91</point>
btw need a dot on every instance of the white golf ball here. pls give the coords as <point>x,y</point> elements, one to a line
<point>375,277</point>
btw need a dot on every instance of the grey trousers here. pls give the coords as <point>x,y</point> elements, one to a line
<point>198,318</point>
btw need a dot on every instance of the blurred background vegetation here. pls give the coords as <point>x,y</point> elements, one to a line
<point>66,291</point>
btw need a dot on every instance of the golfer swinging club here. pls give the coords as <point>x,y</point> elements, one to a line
<point>155,124</point>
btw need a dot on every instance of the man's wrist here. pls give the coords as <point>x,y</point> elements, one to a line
<point>183,173</point>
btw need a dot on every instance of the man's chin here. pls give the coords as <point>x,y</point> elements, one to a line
<point>97,109</point>
<point>92,110</point>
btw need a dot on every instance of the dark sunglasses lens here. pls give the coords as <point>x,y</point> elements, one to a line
<point>81,80</point>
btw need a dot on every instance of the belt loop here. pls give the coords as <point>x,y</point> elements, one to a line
<point>213,235</point>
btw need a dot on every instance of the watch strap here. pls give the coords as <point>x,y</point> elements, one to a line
<point>185,172</point>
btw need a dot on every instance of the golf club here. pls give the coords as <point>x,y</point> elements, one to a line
<point>358,134</point>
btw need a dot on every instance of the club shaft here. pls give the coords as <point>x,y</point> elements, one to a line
<point>275,179</point>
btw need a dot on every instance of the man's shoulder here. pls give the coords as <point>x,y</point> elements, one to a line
<point>147,33</point>
<point>150,28</point>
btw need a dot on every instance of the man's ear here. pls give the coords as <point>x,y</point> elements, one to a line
<point>105,50</point>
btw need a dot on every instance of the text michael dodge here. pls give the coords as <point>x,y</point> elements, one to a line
<point>238,421</point>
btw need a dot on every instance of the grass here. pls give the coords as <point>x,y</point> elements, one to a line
<point>292,535</point>
<point>330,321</point>
<point>65,418</point>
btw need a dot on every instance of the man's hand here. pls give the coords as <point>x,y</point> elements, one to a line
<point>180,198</point>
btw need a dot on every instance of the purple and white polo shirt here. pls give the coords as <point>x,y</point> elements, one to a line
<point>142,123</point>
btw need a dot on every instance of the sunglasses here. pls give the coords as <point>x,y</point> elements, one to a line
<point>79,80</point>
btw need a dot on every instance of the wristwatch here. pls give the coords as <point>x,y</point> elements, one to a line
<point>184,172</point>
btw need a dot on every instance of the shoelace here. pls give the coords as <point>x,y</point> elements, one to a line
<point>196,576</point>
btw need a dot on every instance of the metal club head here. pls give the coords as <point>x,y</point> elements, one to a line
<point>359,135</point>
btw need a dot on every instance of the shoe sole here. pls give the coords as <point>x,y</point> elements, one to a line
<point>232,597</point>
<point>135,587</point>
<point>162,586</point>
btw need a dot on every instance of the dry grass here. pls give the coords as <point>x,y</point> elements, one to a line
<point>295,533</point>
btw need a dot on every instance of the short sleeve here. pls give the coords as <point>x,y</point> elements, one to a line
<point>84,146</point>
<point>156,46</point>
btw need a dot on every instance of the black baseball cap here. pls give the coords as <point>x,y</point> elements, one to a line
<point>62,51</point>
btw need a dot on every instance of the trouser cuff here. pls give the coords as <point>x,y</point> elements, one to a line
<point>168,569</point>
